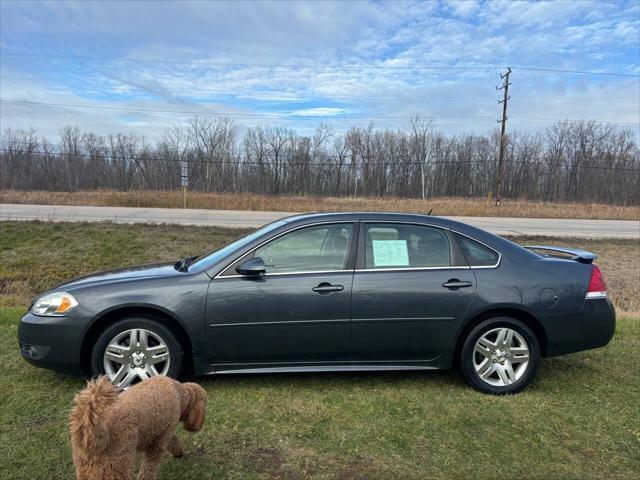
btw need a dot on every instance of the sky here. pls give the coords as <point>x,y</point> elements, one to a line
<point>140,67</point>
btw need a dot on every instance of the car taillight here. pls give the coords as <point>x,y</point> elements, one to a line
<point>597,287</point>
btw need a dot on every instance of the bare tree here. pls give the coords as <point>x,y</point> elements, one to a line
<point>569,161</point>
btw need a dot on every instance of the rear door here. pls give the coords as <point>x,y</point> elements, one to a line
<point>411,288</point>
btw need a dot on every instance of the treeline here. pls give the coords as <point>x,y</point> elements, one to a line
<point>570,161</point>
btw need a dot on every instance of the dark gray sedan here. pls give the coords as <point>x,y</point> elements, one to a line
<point>331,292</point>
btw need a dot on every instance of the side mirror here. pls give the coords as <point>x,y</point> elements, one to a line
<point>253,266</point>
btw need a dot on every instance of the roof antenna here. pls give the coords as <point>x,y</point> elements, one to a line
<point>430,212</point>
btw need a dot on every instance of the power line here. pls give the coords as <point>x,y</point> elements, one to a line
<point>556,120</point>
<point>226,114</point>
<point>346,164</point>
<point>564,102</point>
<point>268,94</point>
<point>293,116</point>
<point>217,155</point>
<point>577,72</point>
<point>197,63</point>
<point>293,96</point>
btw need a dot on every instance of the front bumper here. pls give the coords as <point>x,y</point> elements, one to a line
<point>50,342</point>
<point>592,327</point>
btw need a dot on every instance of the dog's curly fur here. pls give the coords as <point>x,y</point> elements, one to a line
<point>108,428</point>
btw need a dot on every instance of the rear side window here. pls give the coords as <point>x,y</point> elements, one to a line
<point>477,254</point>
<point>405,246</point>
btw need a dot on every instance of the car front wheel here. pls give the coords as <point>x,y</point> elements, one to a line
<point>500,356</point>
<point>134,349</point>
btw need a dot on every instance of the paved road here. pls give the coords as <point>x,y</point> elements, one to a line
<point>250,219</point>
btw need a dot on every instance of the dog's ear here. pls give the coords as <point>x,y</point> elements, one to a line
<point>196,410</point>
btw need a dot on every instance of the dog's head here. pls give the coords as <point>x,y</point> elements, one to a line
<point>194,412</point>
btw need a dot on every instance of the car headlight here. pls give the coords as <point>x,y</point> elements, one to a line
<point>54,304</point>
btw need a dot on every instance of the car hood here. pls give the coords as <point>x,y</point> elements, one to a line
<point>129,273</point>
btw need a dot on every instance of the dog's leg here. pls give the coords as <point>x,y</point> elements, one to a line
<point>118,462</point>
<point>175,447</point>
<point>150,464</point>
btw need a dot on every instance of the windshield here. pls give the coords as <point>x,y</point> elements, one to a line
<point>211,258</point>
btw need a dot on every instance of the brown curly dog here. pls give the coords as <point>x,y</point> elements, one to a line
<point>109,427</point>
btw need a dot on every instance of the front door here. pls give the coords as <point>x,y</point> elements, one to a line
<point>410,293</point>
<point>297,313</point>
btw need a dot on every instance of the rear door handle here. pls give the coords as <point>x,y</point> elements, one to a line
<point>327,287</point>
<point>455,283</point>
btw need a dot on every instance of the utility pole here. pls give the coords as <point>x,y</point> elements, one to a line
<point>505,86</point>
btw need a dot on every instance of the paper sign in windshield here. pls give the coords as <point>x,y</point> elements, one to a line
<point>390,253</point>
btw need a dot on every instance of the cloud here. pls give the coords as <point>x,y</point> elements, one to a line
<point>463,8</point>
<point>318,112</point>
<point>292,62</point>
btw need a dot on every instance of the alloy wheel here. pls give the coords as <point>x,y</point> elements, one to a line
<point>501,357</point>
<point>135,355</point>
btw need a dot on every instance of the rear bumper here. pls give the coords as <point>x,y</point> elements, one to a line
<point>50,343</point>
<point>592,327</point>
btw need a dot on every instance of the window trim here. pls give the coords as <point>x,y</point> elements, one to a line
<point>350,252</point>
<point>412,269</point>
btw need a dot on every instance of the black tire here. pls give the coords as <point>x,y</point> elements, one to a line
<point>468,357</point>
<point>154,326</point>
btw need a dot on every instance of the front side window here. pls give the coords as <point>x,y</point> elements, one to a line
<point>319,248</point>
<point>406,246</point>
<point>477,254</point>
<point>209,259</point>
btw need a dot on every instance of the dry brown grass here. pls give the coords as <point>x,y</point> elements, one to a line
<point>476,207</point>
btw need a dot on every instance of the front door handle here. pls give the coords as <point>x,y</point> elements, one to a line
<point>455,283</point>
<point>327,287</point>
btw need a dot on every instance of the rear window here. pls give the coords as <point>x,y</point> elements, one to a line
<point>477,254</point>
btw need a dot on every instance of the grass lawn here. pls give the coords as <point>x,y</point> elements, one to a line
<point>580,418</point>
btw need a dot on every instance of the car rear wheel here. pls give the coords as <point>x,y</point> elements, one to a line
<point>500,356</point>
<point>134,349</point>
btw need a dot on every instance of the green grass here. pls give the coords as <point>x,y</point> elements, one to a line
<point>35,256</point>
<point>580,419</point>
